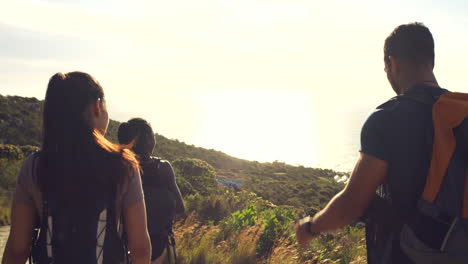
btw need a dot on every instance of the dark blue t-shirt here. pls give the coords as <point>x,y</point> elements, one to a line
<point>400,132</point>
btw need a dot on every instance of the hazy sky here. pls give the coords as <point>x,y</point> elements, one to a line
<point>288,80</point>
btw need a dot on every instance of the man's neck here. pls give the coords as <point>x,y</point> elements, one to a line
<point>426,78</point>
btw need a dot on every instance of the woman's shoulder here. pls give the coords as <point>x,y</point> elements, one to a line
<point>29,166</point>
<point>127,158</point>
<point>129,179</point>
<point>30,158</point>
<point>27,190</point>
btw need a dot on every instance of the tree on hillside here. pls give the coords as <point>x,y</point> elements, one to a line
<point>184,186</point>
<point>20,120</point>
<point>198,173</point>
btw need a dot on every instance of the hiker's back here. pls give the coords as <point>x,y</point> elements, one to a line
<point>405,142</point>
<point>397,132</point>
<point>79,234</point>
<point>436,232</point>
<point>409,153</point>
<point>417,227</point>
<point>75,185</point>
<point>160,188</point>
<point>80,229</point>
<point>160,201</point>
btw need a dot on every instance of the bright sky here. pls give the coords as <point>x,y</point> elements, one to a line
<point>288,80</point>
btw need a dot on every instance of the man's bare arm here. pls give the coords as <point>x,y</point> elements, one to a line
<point>352,201</point>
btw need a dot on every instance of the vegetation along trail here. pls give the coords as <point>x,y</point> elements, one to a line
<point>237,211</point>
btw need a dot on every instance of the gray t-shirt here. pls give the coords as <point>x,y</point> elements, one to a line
<point>27,191</point>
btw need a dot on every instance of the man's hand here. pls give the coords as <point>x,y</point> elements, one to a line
<point>350,203</point>
<point>303,235</point>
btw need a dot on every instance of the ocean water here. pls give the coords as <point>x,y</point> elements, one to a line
<point>339,139</point>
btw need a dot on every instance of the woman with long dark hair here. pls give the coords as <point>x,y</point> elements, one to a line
<point>79,190</point>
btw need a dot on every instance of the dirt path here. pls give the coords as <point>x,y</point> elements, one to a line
<point>4,231</point>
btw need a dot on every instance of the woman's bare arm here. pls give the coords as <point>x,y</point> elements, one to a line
<point>18,246</point>
<point>137,233</point>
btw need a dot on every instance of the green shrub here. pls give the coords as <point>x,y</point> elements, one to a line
<point>9,169</point>
<point>248,216</point>
<point>200,174</point>
<point>184,186</point>
<point>277,223</point>
<point>28,149</point>
<point>222,203</point>
<point>14,152</point>
<point>237,221</point>
<point>11,152</point>
<point>210,208</point>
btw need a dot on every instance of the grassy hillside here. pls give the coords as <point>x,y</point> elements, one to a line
<point>172,149</point>
<point>19,120</point>
<point>251,222</point>
<point>279,182</point>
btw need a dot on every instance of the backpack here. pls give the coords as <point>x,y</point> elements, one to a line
<point>160,201</point>
<point>437,230</point>
<point>87,236</point>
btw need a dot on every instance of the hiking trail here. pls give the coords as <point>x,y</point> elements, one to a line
<point>4,231</point>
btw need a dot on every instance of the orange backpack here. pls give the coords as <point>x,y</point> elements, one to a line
<point>437,232</point>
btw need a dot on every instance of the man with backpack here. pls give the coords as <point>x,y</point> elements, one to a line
<point>414,153</point>
<point>162,196</point>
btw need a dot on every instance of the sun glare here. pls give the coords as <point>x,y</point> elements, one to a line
<point>259,125</point>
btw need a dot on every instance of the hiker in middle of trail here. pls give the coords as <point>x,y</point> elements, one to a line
<point>162,196</point>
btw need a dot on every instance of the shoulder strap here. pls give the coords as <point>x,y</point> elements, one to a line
<point>34,177</point>
<point>35,232</point>
<point>156,161</point>
<point>35,155</point>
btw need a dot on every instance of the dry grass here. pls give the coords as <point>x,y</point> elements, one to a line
<point>244,252</point>
<point>198,242</point>
<point>284,253</point>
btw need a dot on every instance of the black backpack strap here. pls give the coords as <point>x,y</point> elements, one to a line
<point>35,232</point>
<point>173,245</point>
<point>156,162</point>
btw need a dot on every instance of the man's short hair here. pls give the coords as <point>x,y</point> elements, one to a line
<point>412,42</point>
